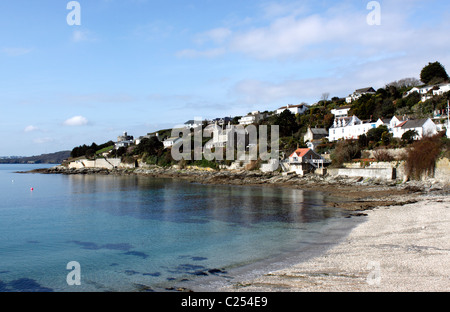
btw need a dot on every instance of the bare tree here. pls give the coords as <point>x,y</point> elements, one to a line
<point>325,96</point>
<point>405,82</point>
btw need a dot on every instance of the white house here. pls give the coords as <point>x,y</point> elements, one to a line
<point>358,93</point>
<point>169,142</point>
<point>349,128</point>
<point>341,111</point>
<point>427,92</point>
<point>251,118</point>
<point>442,88</point>
<point>295,109</point>
<point>423,127</point>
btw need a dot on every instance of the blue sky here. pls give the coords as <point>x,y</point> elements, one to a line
<point>145,65</point>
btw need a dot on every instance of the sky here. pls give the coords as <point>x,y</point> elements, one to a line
<point>145,65</point>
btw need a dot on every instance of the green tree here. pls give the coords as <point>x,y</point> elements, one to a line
<point>364,107</point>
<point>386,138</point>
<point>409,136</point>
<point>433,73</point>
<point>363,141</point>
<point>287,122</point>
<point>90,153</point>
<point>375,134</point>
<point>149,146</point>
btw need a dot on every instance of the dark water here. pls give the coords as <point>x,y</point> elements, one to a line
<point>141,234</point>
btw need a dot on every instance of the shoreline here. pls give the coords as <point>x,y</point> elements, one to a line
<point>402,230</point>
<point>352,194</point>
<point>397,249</point>
<point>238,278</point>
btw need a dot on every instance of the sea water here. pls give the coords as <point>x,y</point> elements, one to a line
<point>135,233</point>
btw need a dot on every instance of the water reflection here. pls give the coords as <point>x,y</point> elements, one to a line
<point>180,201</point>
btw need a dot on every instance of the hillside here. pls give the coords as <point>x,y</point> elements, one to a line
<point>52,158</point>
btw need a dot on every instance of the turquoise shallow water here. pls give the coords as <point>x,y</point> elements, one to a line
<point>137,233</point>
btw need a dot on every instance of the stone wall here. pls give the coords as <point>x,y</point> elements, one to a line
<point>102,163</point>
<point>377,173</point>
<point>442,172</point>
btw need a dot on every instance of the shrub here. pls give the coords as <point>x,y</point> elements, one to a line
<point>345,151</point>
<point>421,157</point>
<point>383,155</point>
<point>253,165</point>
<point>128,160</point>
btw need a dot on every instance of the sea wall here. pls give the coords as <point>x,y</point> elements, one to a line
<point>399,166</point>
<point>101,163</point>
<point>441,174</point>
<point>377,173</point>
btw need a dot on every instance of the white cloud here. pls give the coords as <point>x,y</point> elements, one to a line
<point>43,140</point>
<point>76,121</point>
<point>340,30</point>
<point>348,53</point>
<point>216,35</point>
<point>15,51</point>
<point>82,35</point>
<point>30,128</point>
<point>192,53</point>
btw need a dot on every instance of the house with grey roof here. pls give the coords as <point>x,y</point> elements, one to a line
<point>313,134</point>
<point>359,93</point>
<point>423,127</point>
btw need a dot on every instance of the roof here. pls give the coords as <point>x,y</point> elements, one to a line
<point>411,124</point>
<point>291,106</point>
<point>195,122</point>
<point>400,124</point>
<point>319,131</point>
<point>369,89</point>
<point>301,152</point>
